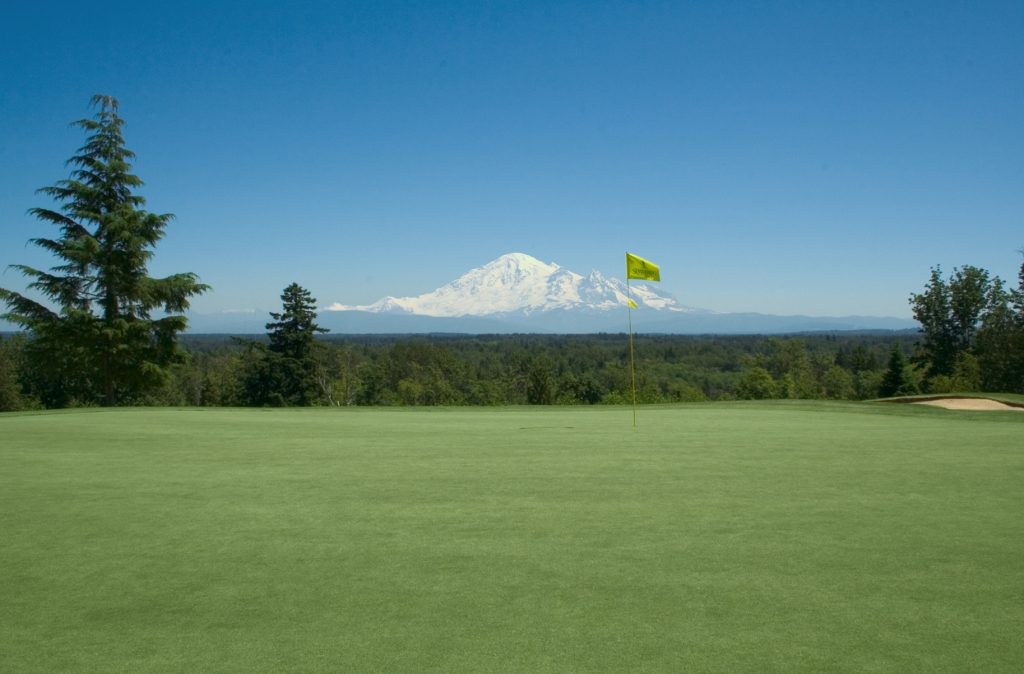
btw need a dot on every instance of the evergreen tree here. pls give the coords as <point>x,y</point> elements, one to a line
<point>11,397</point>
<point>100,343</point>
<point>293,331</point>
<point>287,374</point>
<point>896,382</point>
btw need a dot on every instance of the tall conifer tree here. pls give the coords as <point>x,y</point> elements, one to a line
<point>286,372</point>
<point>294,329</point>
<point>100,342</point>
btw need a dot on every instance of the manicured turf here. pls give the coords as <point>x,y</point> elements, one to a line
<point>718,537</point>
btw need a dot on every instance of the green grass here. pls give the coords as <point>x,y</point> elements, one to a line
<point>718,537</point>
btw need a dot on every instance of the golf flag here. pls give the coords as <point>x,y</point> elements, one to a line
<point>639,268</point>
<point>645,270</point>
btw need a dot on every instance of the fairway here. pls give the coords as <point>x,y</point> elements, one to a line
<point>715,537</point>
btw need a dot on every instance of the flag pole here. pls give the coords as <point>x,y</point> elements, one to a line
<point>636,267</point>
<point>632,361</point>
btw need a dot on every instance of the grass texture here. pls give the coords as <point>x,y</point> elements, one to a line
<point>715,537</point>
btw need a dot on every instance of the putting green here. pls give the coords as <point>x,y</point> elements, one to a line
<point>715,537</point>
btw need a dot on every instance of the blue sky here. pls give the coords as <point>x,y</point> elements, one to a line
<point>780,157</point>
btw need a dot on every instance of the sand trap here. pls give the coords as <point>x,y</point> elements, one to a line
<point>969,404</point>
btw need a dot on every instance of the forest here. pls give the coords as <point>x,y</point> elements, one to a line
<point>221,370</point>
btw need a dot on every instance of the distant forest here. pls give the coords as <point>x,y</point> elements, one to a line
<point>219,370</point>
<point>564,370</point>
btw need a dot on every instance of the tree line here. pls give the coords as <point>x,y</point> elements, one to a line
<point>219,370</point>
<point>972,328</point>
<point>110,334</point>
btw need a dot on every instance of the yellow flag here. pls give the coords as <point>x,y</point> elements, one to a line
<point>639,268</point>
<point>632,304</point>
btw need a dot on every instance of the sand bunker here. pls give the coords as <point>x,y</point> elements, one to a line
<point>984,404</point>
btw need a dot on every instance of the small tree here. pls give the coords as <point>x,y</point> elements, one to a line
<point>757,384</point>
<point>101,344</point>
<point>896,382</point>
<point>540,385</point>
<point>838,384</point>
<point>966,373</point>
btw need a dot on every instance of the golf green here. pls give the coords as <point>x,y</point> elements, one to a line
<point>714,537</point>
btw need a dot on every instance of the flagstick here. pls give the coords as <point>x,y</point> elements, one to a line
<point>632,362</point>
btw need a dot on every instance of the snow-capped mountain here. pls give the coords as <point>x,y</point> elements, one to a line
<point>519,293</point>
<point>517,283</point>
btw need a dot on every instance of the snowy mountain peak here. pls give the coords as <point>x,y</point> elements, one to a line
<point>520,260</point>
<point>520,283</point>
<point>512,269</point>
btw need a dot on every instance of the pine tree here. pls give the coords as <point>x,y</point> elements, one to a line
<point>895,382</point>
<point>287,372</point>
<point>293,331</point>
<point>100,343</point>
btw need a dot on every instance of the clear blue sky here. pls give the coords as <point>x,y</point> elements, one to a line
<point>781,157</point>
